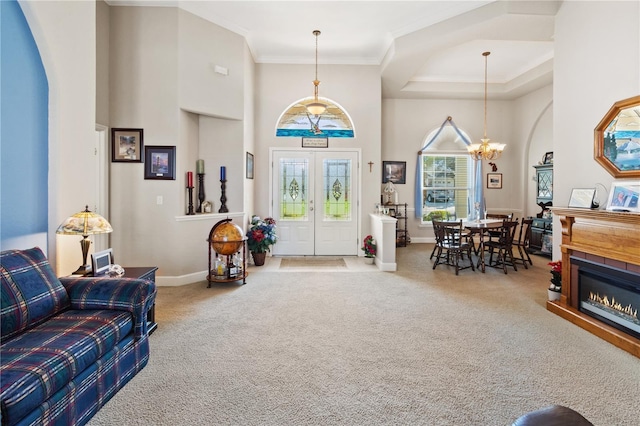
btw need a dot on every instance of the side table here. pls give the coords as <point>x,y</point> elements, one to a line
<point>145,273</point>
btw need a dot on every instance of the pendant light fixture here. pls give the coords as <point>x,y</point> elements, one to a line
<point>485,150</point>
<point>316,107</point>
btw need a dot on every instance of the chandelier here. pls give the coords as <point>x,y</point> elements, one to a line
<point>486,150</point>
<point>316,107</point>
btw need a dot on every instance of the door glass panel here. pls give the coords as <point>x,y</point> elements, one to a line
<point>336,175</point>
<point>294,178</point>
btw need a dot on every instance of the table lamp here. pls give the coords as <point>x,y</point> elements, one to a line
<point>84,223</point>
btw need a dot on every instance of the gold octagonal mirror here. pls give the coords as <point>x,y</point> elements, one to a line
<point>617,139</point>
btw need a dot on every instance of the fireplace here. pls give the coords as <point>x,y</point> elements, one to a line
<point>601,274</point>
<point>609,294</point>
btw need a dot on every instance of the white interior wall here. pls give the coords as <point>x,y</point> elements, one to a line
<point>70,65</point>
<point>587,81</point>
<point>356,88</point>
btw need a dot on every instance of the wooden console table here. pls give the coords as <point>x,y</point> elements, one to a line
<point>610,237</point>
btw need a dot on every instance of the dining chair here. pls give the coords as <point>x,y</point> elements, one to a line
<point>503,246</point>
<point>522,243</point>
<point>496,233</point>
<point>451,245</point>
<point>440,215</point>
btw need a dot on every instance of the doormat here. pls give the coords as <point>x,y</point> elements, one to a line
<point>312,262</point>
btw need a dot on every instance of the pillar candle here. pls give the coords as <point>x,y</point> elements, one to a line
<point>223,173</point>
<point>200,167</point>
<point>189,179</point>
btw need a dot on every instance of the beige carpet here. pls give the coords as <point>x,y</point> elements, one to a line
<point>414,347</point>
<point>321,262</point>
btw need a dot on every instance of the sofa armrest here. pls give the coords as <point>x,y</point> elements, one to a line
<point>122,294</point>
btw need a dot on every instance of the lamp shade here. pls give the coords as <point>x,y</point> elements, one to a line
<point>85,222</point>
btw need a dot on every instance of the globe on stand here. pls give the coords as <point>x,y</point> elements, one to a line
<point>226,237</point>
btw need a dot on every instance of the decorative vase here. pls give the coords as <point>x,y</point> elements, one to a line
<point>369,260</point>
<point>553,295</point>
<point>258,258</point>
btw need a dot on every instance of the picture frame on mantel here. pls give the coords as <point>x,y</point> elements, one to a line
<point>624,196</point>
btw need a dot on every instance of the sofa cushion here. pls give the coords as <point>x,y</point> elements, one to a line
<point>42,360</point>
<point>31,293</point>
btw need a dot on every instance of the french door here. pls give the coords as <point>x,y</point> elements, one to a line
<point>315,202</point>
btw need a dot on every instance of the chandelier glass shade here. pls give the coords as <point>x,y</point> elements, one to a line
<point>316,107</point>
<point>486,150</point>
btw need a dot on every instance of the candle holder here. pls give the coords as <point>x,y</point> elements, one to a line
<point>223,197</point>
<point>190,211</point>
<point>200,191</point>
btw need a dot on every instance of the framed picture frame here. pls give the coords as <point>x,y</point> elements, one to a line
<point>548,158</point>
<point>624,196</point>
<point>617,139</point>
<point>127,145</point>
<point>494,180</point>
<point>101,262</point>
<point>394,171</point>
<point>160,162</point>
<point>582,198</point>
<point>249,162</point>
<point>315,142</point>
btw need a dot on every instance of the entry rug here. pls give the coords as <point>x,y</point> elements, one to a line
<point>330,263</point>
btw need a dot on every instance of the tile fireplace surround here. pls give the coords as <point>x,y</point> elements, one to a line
<point>604,237</point>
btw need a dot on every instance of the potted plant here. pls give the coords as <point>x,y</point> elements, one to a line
<point>556,280</point>
<point>369,247</point>
<point>260,237</point>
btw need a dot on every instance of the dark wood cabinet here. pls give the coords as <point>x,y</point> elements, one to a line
<point>399,211</point>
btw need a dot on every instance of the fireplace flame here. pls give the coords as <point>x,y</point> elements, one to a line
<point>627,310</point>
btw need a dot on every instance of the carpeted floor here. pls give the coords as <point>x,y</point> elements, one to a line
<point>322,263</point>
<point>414,347</point>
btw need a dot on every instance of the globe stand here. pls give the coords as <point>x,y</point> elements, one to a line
<point>223,197</point>
<point>200,191</point>
<point>227,242</point>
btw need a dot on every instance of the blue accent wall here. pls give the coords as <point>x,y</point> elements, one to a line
<point>24,141</point>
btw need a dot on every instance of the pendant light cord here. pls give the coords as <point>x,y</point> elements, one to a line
<point>485,54</point>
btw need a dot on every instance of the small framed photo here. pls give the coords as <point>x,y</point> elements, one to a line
<point>582,198</point>
<point>624,196</point>
<point>394,171</point>
<point>548,158</point>
<point>315,142</point>
<point>101,261</point>
<point>126,145</point>
<point>249,165</point>
<point>494,180</point>
<point>160,162</point>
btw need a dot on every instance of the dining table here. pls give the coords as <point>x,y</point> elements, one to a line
<point>480,227</point>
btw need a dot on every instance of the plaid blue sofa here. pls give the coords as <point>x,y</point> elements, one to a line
<point>69,344</point>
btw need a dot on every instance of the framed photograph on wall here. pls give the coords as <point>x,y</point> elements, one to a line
<point>394,171</point>
<point>249,165</point>
<point>126,145</point>
<point>160,162</point>
<point>494,180</point>
<point>624,196</point>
